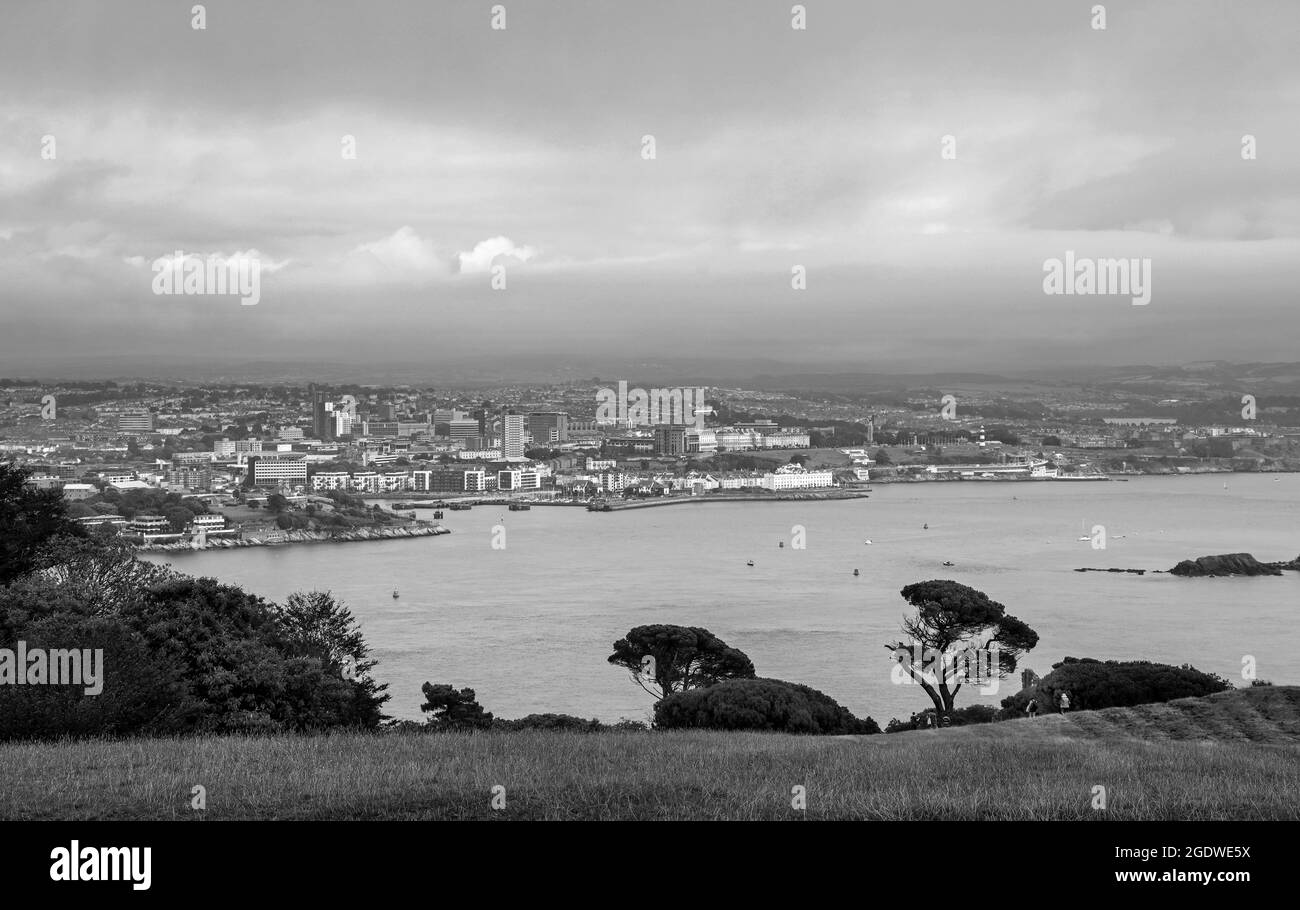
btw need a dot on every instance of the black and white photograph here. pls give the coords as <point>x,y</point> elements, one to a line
<point>860,421</point>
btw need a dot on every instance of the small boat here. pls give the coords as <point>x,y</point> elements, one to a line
<point>460,507</point>
<point>949,564</point>
<point>750,563</point>
<point>867,542</point>
<point>395,594</point>
<point>855,573</point>
<point>781,544</point>
<point>519,507</point>
<point>437,514</point>
<point>925,527</point>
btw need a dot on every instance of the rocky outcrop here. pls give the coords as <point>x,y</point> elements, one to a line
<point>1226,564</point>
<point>334,535</point>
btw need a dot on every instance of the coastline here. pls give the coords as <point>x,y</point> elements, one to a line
<point>282,538</point>
<point>809,496</point>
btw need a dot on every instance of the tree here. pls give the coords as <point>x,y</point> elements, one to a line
<point>178,517</point>
<point>453,709</point>
<point>277,502</point>
<point>106,574</point>
<point>28,518</point>
<point>882,457</point>
<point>677,658</point>
<point>315,624</point>
<point>953,620</point>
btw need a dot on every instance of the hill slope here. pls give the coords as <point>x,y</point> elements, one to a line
<point>1231,756</point>
<point>1265,714</point>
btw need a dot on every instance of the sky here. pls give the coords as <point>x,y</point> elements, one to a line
<point>775,149</point>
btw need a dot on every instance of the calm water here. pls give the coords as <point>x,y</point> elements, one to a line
<point>529,627</point>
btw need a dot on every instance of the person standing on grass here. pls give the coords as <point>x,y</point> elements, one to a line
<point>1064,702</point>
<point>1032,708</point>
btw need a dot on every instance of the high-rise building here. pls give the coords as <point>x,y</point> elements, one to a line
<point>342,424</point>
<point>512,435</point>
<point>548,427</point>
<point>322,418</point>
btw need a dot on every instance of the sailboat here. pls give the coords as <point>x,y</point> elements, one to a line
<point>1083,528</point>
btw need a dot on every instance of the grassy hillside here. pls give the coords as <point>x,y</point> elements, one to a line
<point>1233,755</point>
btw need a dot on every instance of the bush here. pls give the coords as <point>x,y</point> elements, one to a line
<point>138,692</point>
<point>1095,684</point>
<point>551,722</point>
<point>958,717</point>
<point>758,704</point>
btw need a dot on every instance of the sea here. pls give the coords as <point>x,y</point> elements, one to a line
<point>529,623</point>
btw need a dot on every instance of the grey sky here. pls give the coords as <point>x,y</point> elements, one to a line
<point>774,147</point>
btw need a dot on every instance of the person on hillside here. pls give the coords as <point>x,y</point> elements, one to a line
<point>1064,702</point>
<point>1032,708</point>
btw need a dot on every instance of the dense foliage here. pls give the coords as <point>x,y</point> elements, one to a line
<point>664,659</point>
<point>1094,684</point>
<point>179,654</point>
<point>450,708</point>
<point>759,704</point>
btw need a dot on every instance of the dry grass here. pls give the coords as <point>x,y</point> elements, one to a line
<point>1233,756</point>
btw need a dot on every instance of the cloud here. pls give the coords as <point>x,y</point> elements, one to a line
<point>485,252</point>
<point>236,259</point>
<point>402,252</point>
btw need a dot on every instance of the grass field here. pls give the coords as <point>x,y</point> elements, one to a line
<point>1230,756</point>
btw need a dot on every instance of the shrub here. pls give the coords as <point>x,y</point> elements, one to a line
<point>1094,684</point>
<point>550,722</point>
<point>758,704</point>
<point>958,717</point>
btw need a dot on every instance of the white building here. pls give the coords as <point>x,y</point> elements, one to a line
<point>796,477</point>
<point>330,480</point>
